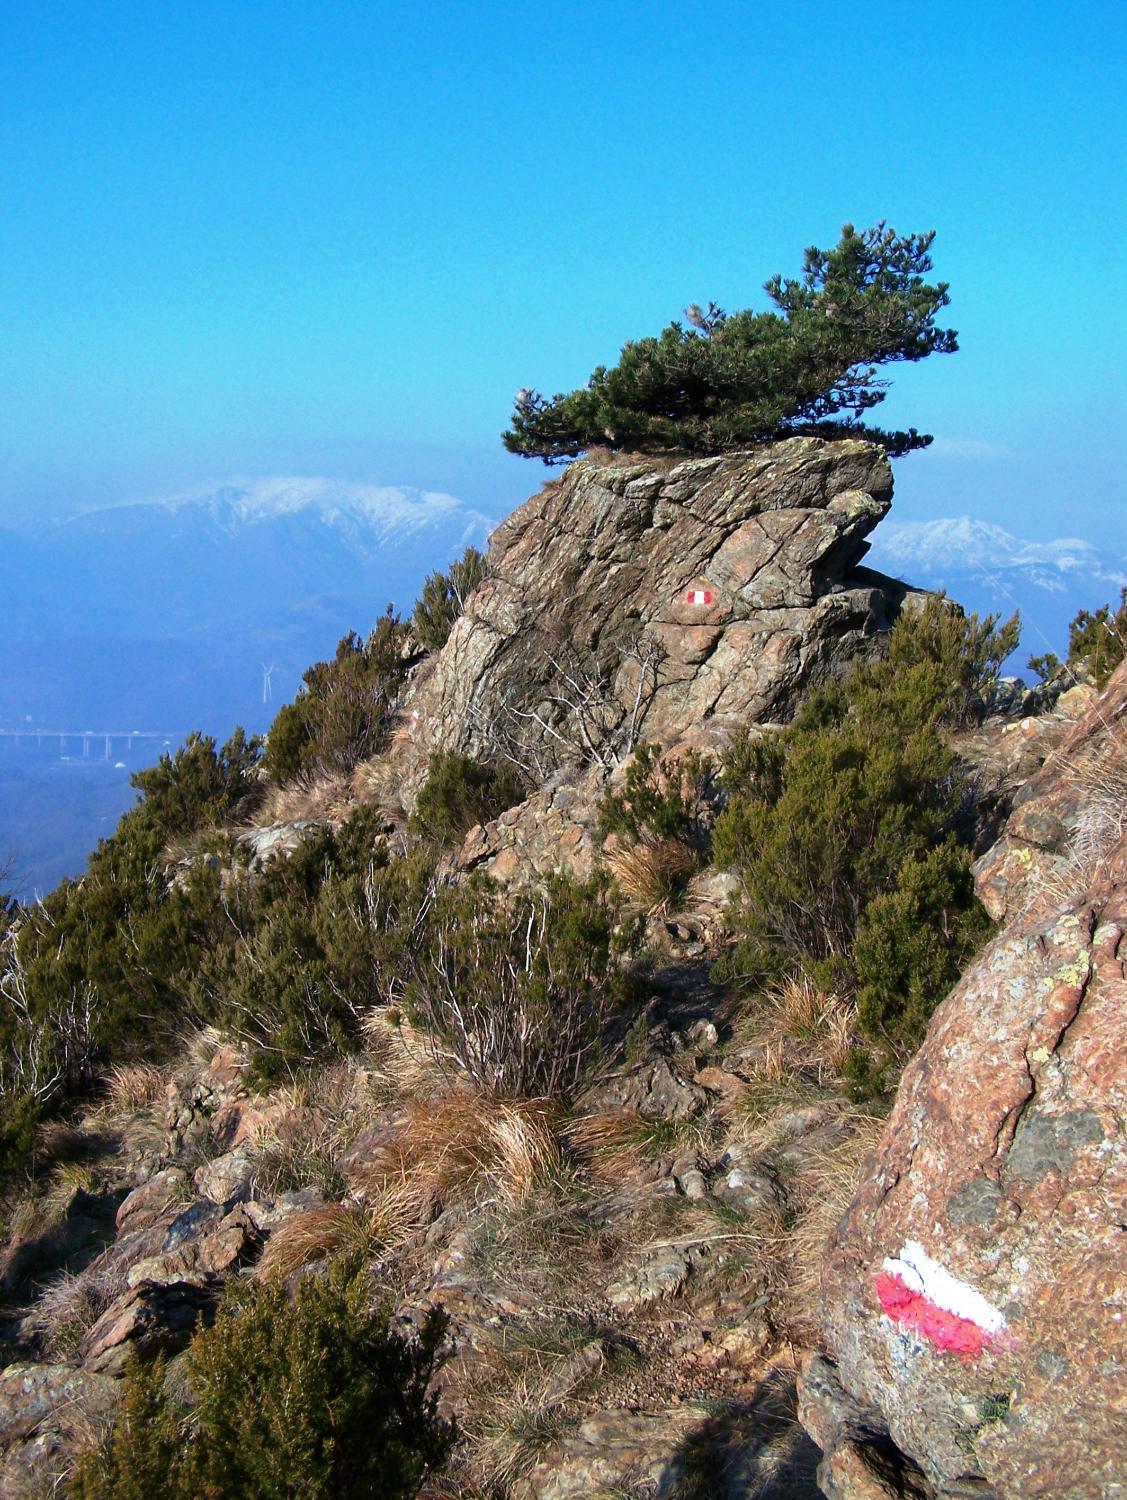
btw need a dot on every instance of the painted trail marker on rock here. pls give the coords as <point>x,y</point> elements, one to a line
<point>699,596</point>
<point>915,1290</point>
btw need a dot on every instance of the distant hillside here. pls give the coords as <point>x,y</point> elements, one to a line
<point>164,615</point>
<point>166,612</point>
<point>987,568</point>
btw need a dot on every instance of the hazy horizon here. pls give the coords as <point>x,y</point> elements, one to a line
<point>252,240</point>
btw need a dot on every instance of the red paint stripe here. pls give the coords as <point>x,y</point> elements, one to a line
<point>944,1329</point>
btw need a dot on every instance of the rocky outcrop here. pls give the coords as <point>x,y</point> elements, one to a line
<point>1062,810</point>
<point>975,1296</point>
<point>152,1317</point>
<point>44,1411</point>
<point>647,596</point>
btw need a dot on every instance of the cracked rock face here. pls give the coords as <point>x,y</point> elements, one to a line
<point>714,587</point>
<point>976,1292</point>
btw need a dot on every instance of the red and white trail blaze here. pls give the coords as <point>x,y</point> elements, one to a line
<point>699,596</point>
<point>915,1290</point>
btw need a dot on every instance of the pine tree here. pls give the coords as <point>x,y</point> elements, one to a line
<point>729,380</point>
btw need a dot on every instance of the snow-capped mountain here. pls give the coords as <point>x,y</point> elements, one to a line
<point>990,570</point>
<point>200,611</point>
<point>363,512</point>
<point>168,611</point>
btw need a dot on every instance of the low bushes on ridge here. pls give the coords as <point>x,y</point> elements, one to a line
<point>312,1396</point>
<point>847,832</point>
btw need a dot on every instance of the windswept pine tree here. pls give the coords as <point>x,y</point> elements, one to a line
<point>730,379</point>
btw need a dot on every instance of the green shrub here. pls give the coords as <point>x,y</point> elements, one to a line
<point>460,792</point>
<point>515,988</point>
<point>911,946</point>
<point>851,806</point>
<point>939,667</point>
<point>321,930</point>
<point>727,381</point>
<point>312,1396</point>
<point>845,831</point>
<point>667,802</point>
<point>345,710</point>
<point>196,788</point>
<point>1097,643</point>
<point>444,598</point>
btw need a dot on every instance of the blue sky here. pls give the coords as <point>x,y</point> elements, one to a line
<point>334,238</point>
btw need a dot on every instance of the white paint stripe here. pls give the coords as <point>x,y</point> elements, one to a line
<point>921,1274</point>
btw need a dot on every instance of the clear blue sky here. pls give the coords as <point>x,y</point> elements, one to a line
<point>333,238</point>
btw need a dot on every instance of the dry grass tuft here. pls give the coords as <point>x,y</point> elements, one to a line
<point>378,783</point>
<point>130,1088</point>
<point>401,1056</point>
<point>615,1145</point>
<point>800,1027</point>
<point>1099,827</point>
<point>310,798</point>
<point>70,1305</point>
<point>380,1225</point>
<point>314,1234</point>
<point>820,1192</point>
<point>519,1429</point>
<point>653,872</point>
<point>299,1159</point>
<point>201,1046</point>
<point>65,1143</point>
<point>473,1148</point>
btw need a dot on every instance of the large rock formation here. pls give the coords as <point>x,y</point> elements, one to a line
<point>641,597</point>
<point>976,1291</point>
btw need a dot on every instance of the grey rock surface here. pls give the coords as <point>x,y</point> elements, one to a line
<point>591,599</point>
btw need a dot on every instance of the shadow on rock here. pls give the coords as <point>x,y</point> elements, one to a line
<point>753,1449</point>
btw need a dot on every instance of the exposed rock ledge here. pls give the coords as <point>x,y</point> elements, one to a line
<point>592,594</point>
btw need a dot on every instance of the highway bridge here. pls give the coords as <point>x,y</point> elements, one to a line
<point>149,742</point>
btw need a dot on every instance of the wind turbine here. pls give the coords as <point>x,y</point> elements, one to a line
<point>267,689</point>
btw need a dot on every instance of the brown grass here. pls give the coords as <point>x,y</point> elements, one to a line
<point>470,1147</point>
<point>1098,829</point>
<point>312,797</point>
<point>485,1153</point>
<point>820,1192</point>
<point>321,1233</point>
<point>613,1146</point>
<point>320,1115</point>
<point>519,1428</point>
<point>653,872</point>
<point>70,1306</point>
<point>379,783</point>
<point>800,1027</point>
<point>400,1056</point>
<point>129,1088</point>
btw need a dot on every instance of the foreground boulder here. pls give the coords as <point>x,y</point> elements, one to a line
<point>150,1318</point>
<point>636,598</point>
<point>976,1291</point>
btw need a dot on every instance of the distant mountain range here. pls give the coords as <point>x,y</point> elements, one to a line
<point>169,616</point>
<point>164,615</point>
<point>989,570</point>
